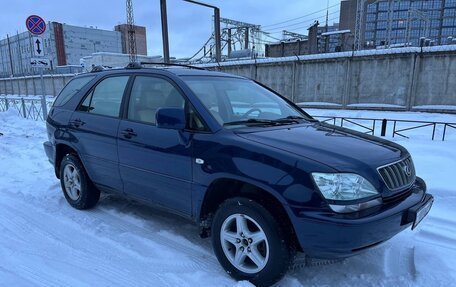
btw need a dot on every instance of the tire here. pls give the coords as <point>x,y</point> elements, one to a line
<point>258,250</point>
<point>77,188</point>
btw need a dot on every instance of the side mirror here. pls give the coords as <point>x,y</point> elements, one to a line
<point>170,118</point>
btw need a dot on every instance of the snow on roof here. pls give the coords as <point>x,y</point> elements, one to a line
<point>335,32</point>
<point>287,41</point>
<point>362,53</point>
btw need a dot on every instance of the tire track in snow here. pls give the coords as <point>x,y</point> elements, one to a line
<point>439,231</point>
<point>86,247</point>
<point>51,243</point>
<point>116,226</point>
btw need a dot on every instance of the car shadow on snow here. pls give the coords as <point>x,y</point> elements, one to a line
<point>391,262</point>
<point>154,220</point>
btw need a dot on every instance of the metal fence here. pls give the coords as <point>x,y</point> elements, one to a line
<point>30,108</point>
<point>36,108</point>
<point>393,128</point>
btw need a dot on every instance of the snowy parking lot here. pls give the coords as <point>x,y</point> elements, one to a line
<point>45,242</point>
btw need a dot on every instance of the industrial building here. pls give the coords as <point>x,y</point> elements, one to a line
<point>320,39</point>
<point>113,60</point>
<point>140,35</point>
<point>64,45</point>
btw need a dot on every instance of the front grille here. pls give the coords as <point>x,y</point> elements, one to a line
<point>398,175</point>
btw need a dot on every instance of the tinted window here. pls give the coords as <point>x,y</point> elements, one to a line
<point>106,98</point>
<point>71,89</point>
<point>148,94</point>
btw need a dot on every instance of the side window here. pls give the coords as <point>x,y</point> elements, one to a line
<point>106,98</point>
<point>148,94</point>
<point>71,89</point>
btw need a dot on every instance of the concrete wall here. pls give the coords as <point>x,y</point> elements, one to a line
<point>53,84</point>
<point>411,80</point>
<point>397,81</point>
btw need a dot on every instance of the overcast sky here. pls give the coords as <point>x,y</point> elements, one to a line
<point>189,26</point>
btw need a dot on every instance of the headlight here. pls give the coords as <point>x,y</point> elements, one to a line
<point>346,187</point>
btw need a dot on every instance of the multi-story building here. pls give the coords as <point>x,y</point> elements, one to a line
<point>405,22</point>
<point>64,45</point>
<point>390,23</point>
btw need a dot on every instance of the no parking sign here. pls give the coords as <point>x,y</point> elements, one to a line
<point>35,24</point>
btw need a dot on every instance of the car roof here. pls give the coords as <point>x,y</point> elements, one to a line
<point>172,70</point>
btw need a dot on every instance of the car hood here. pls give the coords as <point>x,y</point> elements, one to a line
<point>339,148</point>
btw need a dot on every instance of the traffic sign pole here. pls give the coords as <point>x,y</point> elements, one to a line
<point>36,26</point>
<point>43,97</point>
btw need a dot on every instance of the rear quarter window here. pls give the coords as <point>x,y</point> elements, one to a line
<point>71,89</point>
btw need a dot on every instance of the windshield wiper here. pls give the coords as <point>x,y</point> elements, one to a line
<point>276,122</point>
<point>250,122</point>
<point>290,119</point>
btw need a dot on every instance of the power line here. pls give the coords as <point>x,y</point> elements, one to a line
<point>306,26</point>
<point>301,22</point>
<point>297,18</point>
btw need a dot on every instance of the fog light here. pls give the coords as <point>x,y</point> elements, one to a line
<point>355,207</point>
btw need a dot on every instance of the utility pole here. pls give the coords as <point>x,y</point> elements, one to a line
<point>19,53</point>
<point>359,24</point>
<point>164,23</point>
<point>229,42</point>
<point>246,39</point>
<point>10,55</point>
<point>326,28</point>
<point>218,40</point>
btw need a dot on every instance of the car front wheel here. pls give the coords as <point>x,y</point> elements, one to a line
<point>249,243</point>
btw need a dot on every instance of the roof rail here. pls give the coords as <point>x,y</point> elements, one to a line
<point>96,69</point>
<point>134,65</point>
<point>170,64</point>
<point>100,68</point>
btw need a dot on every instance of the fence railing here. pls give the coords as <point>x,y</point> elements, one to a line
<point>391,127</point>
<point>36,108</point>
<point>30,108</point>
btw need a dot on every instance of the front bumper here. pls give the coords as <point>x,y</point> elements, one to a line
<point>49,149</point>
<point>329,235</point>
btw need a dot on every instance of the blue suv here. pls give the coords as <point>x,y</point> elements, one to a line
<point>258,175</point>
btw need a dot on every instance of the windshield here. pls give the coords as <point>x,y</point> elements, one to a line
<point>241,102</point>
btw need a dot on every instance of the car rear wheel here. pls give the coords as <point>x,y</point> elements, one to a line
<point>249,243</point>
<point>77,188</point>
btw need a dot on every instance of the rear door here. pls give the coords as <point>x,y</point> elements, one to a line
<point>155,163</point>
<point>93,130</point>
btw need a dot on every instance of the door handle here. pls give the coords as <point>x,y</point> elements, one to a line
<point>76,123</point>
<point>128,133</point>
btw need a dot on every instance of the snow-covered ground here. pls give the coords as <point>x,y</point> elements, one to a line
<point>45,242</point>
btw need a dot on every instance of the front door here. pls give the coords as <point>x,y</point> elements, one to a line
<point>155,163</point>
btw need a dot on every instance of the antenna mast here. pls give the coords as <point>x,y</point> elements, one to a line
<point>131,32</point>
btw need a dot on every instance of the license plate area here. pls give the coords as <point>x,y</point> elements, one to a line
<point>422,212</point>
